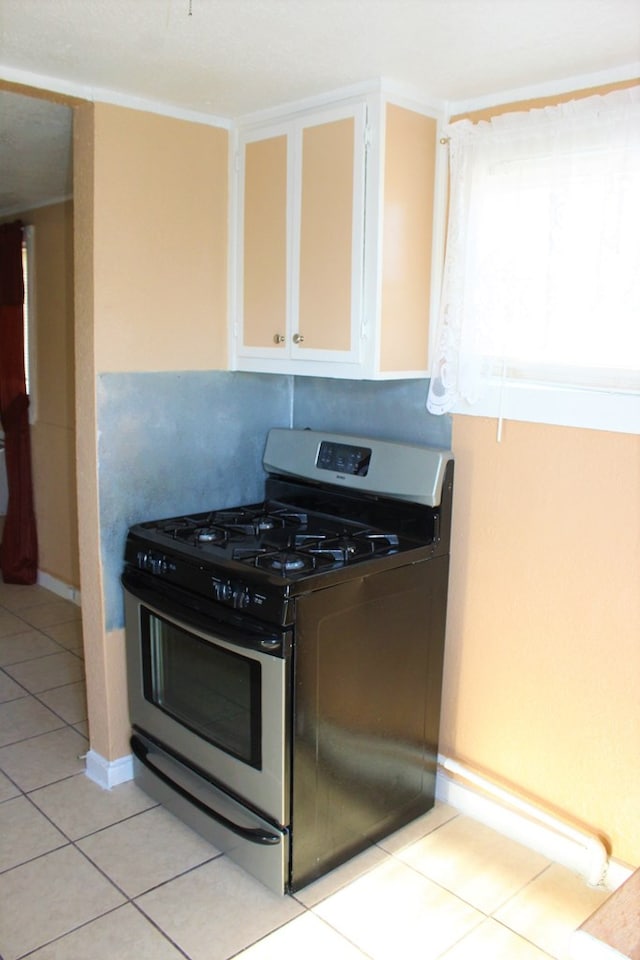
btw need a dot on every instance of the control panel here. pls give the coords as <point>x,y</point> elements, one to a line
<point>397,471</point>
<point>344,458</point>
<point>156,563</point>
<point>236,595</point>
<point>216,585</point>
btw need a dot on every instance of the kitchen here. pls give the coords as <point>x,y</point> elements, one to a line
<point>150,199</point>
<point>137,345</point>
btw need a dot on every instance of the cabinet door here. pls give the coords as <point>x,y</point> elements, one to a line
<point>407,238</point>
<point>264,226</point>
<point>301,243</point>
<point>330,230</point>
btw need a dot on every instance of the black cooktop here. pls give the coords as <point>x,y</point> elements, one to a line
<point>272,536</point>
<point>302,537</point>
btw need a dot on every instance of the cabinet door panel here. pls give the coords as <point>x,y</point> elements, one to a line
<point>265,242</point>
<point>326,236</point>
<point>407,237</point>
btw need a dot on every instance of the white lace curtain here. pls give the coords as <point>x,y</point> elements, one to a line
<point>542,266</point>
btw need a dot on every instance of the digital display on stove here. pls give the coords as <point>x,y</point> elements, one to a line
<point>343,458</point>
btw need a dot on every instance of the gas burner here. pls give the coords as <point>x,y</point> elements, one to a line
<point>253,523</point>
<point>207,535</point>
<point>194,530</point>
<point>253,527</point>
<point>264,523</point>
<point>283,562</point>
<point>190,530</point>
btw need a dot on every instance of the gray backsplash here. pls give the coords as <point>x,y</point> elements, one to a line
<point>178,442</point>
<point>387,409</point>
<point>183,442</point>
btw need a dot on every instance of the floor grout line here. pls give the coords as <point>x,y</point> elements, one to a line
<point>393,855</point>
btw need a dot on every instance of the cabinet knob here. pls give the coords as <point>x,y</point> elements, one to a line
<point>298,338</point>
<point>278,338</point>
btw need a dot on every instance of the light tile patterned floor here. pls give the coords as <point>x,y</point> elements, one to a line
<point>110,875</point>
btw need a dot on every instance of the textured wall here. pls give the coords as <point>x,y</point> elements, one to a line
<point>386,410</point>
<point>174,443</point>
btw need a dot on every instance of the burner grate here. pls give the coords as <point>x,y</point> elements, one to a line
<point>350,546</point>
<point>247,521</point>
<point>298,553</point>
<point>277,538</point>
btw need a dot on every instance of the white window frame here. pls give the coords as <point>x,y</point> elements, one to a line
<point>30,328</point>
<point>564,406</point>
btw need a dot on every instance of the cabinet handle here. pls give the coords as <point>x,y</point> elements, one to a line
<point>278,338</point>
<point>298,338</point>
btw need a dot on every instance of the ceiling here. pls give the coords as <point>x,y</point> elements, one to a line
<point>225,58</point>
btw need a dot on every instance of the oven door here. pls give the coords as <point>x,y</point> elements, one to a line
<point>247,838</point>
<point>212,692</point>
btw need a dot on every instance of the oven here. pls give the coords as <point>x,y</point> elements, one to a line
<point>209,704</point>
<point>284,658</point>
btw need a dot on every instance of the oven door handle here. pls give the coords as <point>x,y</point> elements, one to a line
<point>254,835</point>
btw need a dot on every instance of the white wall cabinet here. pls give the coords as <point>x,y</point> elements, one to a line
<point>335,247</point>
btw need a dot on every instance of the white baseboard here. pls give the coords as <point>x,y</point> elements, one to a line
<point>545,838</point>
<point>108,773</point>
<point>617,873</point>
<point>59,587</point>
<point>582,946</point>
<point>540,836</point>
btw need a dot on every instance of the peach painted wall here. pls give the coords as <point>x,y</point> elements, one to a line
<point>160,242</point>
<point>543,639</point>
<point>98,672</point>
<point>53,434</point>
<point>151,197</point>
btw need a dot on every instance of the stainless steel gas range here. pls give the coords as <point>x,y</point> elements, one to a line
<point>285,657</point>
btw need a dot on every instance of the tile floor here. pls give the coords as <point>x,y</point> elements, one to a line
<point>89,874</point>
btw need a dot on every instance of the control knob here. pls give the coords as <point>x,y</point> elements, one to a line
<point>241,598</point>
<point>223,591</point>
<point>153,562</point>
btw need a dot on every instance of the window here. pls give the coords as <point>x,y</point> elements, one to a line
<point>28,249</point>
<point>540,313</point>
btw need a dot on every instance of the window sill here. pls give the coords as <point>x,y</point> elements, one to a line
<point>558,405</point>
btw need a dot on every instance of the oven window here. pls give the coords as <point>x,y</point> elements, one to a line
<point>206,688</point>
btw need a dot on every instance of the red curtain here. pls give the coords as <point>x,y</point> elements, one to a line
<point>19,550</point>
